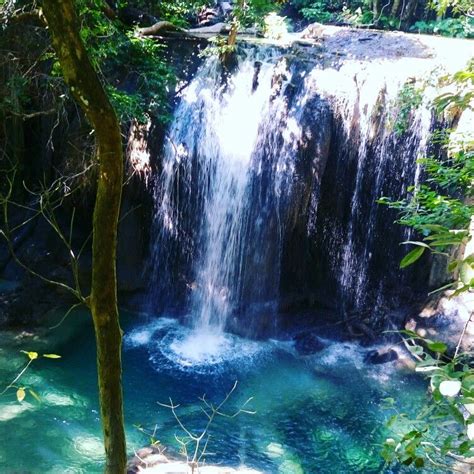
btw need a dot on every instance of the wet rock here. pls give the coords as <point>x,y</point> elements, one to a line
<point>213,29</point>
<point>226,8</point>
<point>308,343</point>
<point>313,31</point>
<point>444,318</point>
<point>151,460</point>
<point>380,356</point>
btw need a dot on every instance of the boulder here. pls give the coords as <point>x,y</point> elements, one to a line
<point>380,356</point>
<point>313,31</point>
<point>209,16</point>
<point>216,29</point>
<point>226,8</point>
<point>151,460</point>
<point>308,343</point>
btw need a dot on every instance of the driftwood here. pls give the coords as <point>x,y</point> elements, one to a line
<point>160,28</point>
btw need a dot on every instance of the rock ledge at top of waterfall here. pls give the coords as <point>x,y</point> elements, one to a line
<point>151,460</point>
<point>368,44</point>
<point>348,43</point>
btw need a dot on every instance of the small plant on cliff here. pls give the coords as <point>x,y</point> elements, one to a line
<point>409,99</point>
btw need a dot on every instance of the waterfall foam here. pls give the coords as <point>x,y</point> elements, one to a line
<point>172,345</point>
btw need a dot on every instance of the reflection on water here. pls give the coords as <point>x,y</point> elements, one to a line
<point>319,414</point>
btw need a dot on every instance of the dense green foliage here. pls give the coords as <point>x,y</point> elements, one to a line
<point>455,27</point>
<point>440,211</point>
<point>253,12</point>
<point>442,433</point>
<point>324,11</point>
<point>133,68</point>
<point>443,18</point>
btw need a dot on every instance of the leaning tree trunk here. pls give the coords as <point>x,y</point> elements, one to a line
<point>407,14</point>
<point>89,93</point>
<point>395,8</point>
<point>226,58</point>
<point>376,11</point>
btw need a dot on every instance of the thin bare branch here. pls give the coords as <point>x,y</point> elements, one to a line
<point>68,312</point>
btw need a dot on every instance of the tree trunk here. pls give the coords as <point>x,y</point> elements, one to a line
<point>89,93</point>
<point>395,8</point>
<point>407,14</point>
<point>376,11</point>
<point>232,38</point>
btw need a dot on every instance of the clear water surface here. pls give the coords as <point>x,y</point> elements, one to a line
<point>319,414</point>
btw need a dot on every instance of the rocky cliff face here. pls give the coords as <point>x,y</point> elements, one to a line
<point>343,125</point>
<point>328,134</point>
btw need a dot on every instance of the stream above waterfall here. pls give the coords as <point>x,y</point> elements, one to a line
<point>322,413</point>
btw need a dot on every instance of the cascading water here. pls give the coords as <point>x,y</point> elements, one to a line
<point>365,100</point>
<point>268,188</point>
<point>219,143</point>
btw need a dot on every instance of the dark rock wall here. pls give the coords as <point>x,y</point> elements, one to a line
<point>299,243</point>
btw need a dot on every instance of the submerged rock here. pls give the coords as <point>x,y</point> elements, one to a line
<point>381,356</point>
<point>308,343</point>
<point>151,460</point>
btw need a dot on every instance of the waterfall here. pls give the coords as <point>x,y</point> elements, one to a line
<point>268,189</point>
<point>366,102</point>
<point>222,134</point>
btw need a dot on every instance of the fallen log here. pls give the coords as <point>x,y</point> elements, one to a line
<point>161,28</point>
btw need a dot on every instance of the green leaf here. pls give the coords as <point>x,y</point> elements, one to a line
<point>468,382</point>
<point>419,244</point>
<point>20,394</point>
<point>453,265</point>
<point>412,257</point>
<point>391,421</point>
<point>419,462</point>
<point>435,227</point>
<point>31,355</point>
<point>417,350</point>
<point>410,333</point>
<point>446,242</point>
<point>447,444</point>
<point>34,395</point>
<point>466,272</point>
<point>464,447</point>
<point>388,402</point>
<point>456,414</point>
<point>437,346</point>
